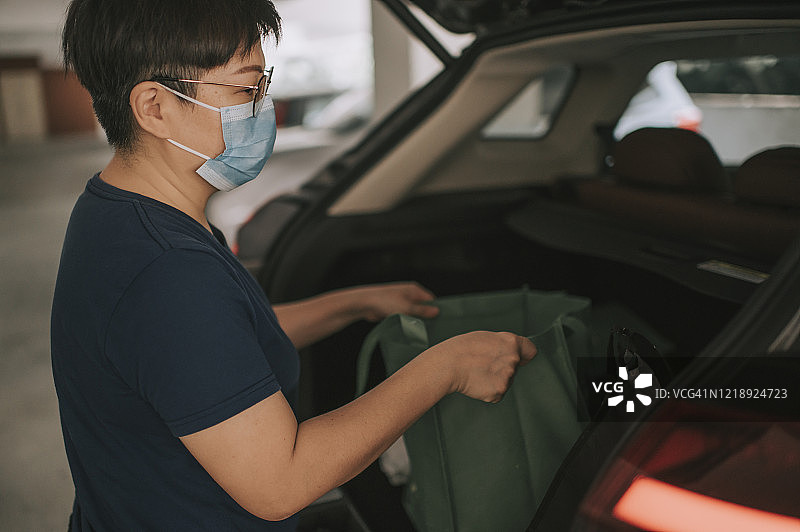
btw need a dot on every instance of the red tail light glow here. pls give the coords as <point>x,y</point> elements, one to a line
<point>654,505</point>
<point>677,473</point>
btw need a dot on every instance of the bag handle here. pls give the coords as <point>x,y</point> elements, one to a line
<point>364,359</point>
<point>413,330</point>
<point>576,326</point>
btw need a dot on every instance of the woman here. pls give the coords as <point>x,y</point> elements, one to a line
<point>176,378</point>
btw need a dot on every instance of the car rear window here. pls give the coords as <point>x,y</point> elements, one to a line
<point>532,112</point>
<point>741,105</point>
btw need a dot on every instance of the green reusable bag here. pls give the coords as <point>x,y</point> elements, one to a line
<point>485,467</point>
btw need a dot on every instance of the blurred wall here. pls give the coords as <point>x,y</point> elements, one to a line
<point>37,98</point>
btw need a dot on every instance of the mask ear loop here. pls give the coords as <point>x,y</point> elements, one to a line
<point>188,98</point>
<point>187,148</point>
<point>198,102</point>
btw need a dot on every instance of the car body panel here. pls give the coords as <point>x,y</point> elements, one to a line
<point>493,16</point>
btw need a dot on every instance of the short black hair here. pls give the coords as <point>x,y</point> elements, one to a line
<point>112,45</point>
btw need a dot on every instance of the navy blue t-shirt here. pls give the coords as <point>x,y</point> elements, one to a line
<point>157,332</point>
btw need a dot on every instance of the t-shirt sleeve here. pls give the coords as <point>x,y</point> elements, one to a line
<point>183,337</point>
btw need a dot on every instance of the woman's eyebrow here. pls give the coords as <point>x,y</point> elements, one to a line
<point>250,68</point>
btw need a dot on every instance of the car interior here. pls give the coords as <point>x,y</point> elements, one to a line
<point>652,228</point>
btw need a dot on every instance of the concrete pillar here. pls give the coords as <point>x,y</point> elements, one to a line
<point>21,100</point>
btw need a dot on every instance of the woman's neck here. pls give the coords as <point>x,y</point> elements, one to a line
<point>154,178</point>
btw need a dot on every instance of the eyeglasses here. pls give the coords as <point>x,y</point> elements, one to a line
<point>259,89</point>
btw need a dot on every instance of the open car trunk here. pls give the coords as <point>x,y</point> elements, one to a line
<point>429,196</point>
<point>482,241</point>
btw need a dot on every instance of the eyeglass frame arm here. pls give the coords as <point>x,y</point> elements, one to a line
<point>267,73</point>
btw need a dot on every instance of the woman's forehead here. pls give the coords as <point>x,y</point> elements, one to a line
<point>239,65</point>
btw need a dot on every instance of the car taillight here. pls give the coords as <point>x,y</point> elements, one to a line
<point>693,474</point>
<point>651,504</point>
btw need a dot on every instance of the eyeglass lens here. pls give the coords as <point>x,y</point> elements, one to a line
<point>261,91</point>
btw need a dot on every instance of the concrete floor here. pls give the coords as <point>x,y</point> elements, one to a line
<point>39,185</point>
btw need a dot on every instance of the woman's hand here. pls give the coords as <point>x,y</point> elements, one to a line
<point>311,320</point>
<point>482,364</point>
<point>375,302</point>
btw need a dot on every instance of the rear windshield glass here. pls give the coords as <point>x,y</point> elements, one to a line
<point>741,105</point>
<point>532,112</point>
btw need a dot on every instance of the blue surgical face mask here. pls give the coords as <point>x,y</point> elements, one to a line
<point>248,143</point>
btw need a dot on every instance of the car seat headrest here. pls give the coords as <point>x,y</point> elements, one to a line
<point>669,158</point>
<point>771,177</point>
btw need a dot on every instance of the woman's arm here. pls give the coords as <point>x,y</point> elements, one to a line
<point>310,320</point>
<point>274,467</point>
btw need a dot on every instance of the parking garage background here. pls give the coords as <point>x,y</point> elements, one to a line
<point>50,145</point>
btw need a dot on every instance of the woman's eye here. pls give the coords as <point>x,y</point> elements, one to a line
<point>248,91</point>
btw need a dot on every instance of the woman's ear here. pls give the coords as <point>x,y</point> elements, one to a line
<point>149,104</point>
